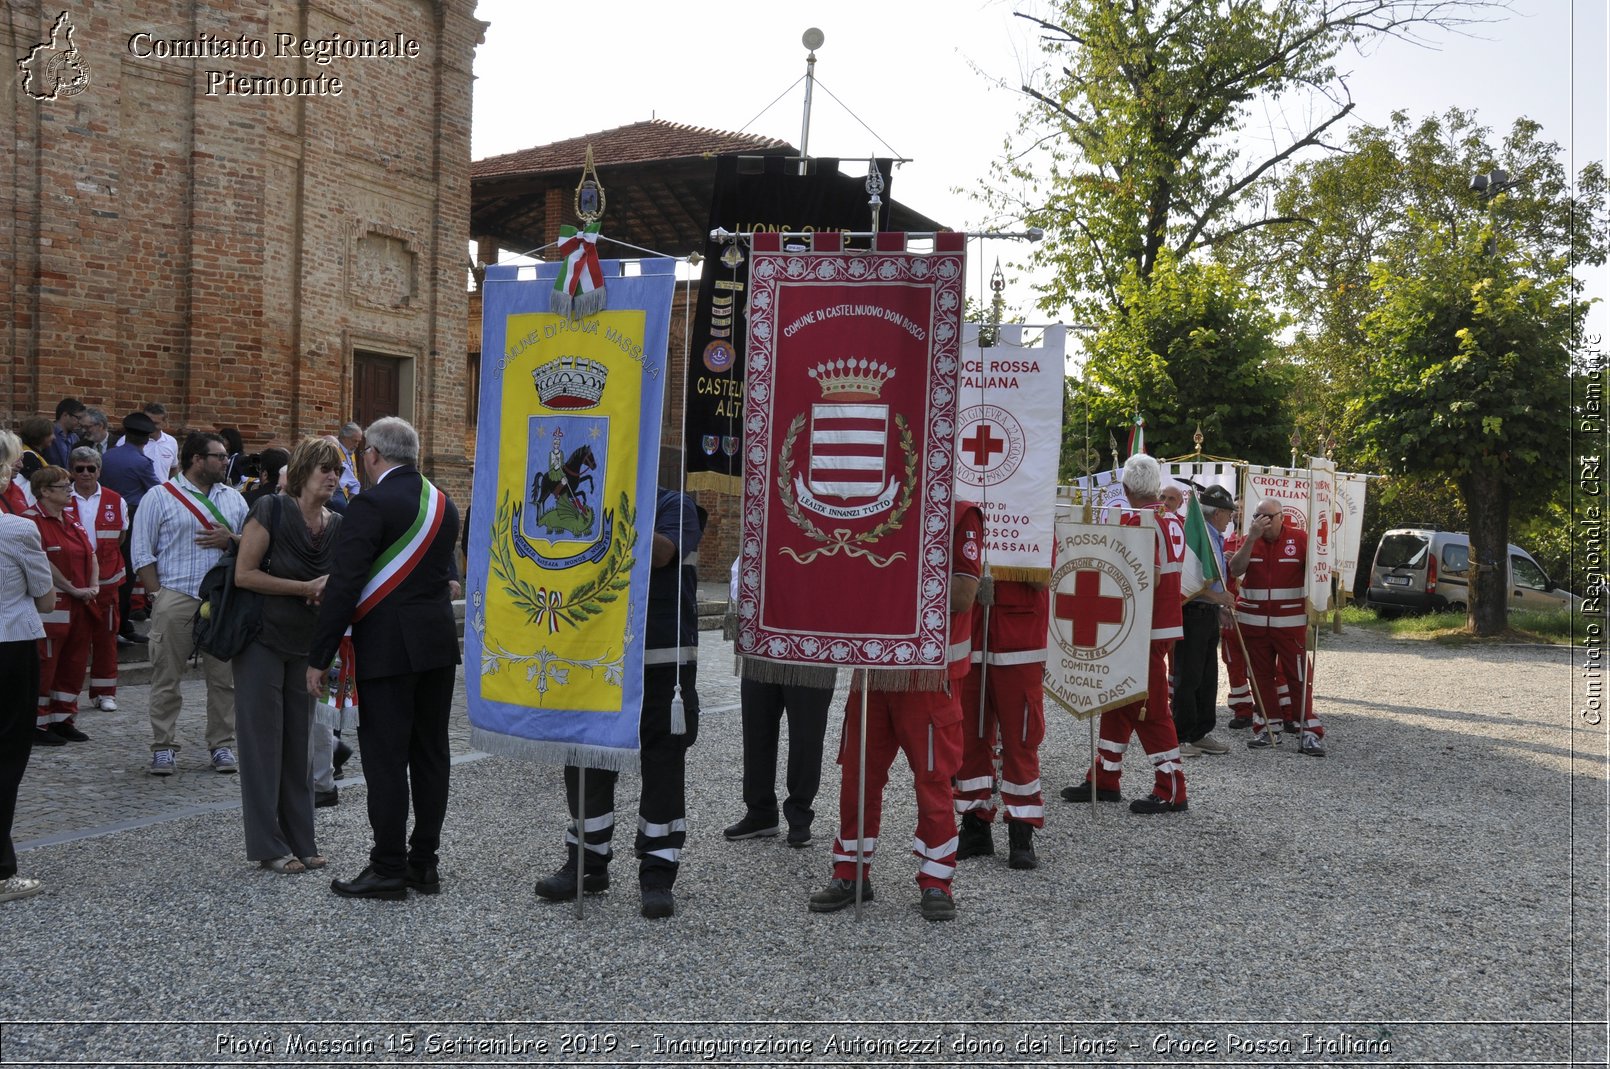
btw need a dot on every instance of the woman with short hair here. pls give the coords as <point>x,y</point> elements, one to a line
<point>64,651</point>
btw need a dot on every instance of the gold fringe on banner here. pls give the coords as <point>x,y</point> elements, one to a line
<point>1022,575</point>
<point>1091,714</point>
<point>786,674</point>
<point>902,679</point>
<point>718,482</point>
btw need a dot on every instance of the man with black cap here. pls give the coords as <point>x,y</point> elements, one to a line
<point>129,472</point>
<point>1196,666</point>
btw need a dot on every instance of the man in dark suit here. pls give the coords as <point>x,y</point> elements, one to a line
<point>391,584</point>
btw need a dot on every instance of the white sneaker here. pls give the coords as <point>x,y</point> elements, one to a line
<point>1209,744</point>
<point>15,887</point>
<point>106,705</point>
<point>1189,750</point>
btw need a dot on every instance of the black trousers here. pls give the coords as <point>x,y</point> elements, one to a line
<point>402,727</point>
<point>1196,672</point>
<point>764,705</point>
<point>662,826</point>
<point>19,710</point>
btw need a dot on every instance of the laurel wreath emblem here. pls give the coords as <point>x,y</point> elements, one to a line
<point>842,540</point>
<point>585,600</point>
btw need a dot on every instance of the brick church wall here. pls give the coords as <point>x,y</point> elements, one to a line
<point>163,238</point>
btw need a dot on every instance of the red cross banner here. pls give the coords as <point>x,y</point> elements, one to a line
<point>850,429</point>
<point>1101,615</point>
<point>1009,439</point>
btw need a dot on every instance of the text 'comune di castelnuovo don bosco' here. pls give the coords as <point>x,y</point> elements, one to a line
<point>322,51</point>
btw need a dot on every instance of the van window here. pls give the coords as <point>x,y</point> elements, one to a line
<point>1402,551</point>
<point>1455,560</point>
<point>1527,573</point>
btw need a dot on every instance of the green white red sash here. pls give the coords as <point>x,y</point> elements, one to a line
<point>184,499</point>
<point>403,556</point>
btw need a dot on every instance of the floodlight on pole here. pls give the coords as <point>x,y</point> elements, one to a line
<point>812,40</point>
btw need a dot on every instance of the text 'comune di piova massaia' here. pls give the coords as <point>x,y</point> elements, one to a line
<point>323,52</point>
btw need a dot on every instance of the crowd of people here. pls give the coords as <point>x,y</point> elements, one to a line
<point>334,528</point>
<point>97,534</point>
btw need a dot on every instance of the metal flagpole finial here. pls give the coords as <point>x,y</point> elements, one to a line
<point>874,187</point>
<point>1296,445</point>
<point>997,281</point>
<point>1197,438</point>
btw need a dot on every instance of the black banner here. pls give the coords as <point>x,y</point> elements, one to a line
<point>752,193</point>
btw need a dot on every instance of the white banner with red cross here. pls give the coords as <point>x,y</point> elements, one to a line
<point>1101,615</point>
<point>1008,442</point>
<point>1306,499</point>
<point>1350,496</point>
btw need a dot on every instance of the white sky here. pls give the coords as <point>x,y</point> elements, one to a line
<point>919,74</point>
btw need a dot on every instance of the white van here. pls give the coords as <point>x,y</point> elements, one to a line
<point>1419,570</point>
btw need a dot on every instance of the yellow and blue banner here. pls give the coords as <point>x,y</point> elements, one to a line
<point>562,514</point>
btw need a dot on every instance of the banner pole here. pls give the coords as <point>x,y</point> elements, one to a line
<point>1094,808</point>
<point>860,796</point>
<point>1252,677</point>
<point>581,837</point>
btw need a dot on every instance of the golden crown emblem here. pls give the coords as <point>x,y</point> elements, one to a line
<point>851,379</point>
<point>570,382</point>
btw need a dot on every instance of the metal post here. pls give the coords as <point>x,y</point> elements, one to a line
<point>1094,807</point>
<point>581,836</point>
<point>860,797</point>
<point>812,40</point>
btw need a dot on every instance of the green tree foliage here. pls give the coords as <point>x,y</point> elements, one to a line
<point>1364,207</point>
<point>1136,137</point>
<point>1187,346</point>
<point>1437,326</point>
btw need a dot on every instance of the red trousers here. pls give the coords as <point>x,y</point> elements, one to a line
<point>1013,718</point>
<point>103,645</point>
<point>63,657</point>
<point>1156,732</point>
<point>926,725</point>
<point>1235,668</point>
<point>1278,657</point>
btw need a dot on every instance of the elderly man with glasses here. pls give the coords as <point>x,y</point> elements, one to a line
<point>102,514</point>
<point>181,529</point>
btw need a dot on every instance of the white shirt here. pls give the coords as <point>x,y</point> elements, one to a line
<point>165,533</point>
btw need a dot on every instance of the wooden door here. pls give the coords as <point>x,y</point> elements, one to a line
<point>376,387</point>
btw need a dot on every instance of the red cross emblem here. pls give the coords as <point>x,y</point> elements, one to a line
<point>983,445</point>
<point>1087,607</point>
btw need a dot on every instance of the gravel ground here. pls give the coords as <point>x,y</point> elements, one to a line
<point>1434,891</point>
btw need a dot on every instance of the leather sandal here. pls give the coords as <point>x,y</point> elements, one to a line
<point>286,865</point>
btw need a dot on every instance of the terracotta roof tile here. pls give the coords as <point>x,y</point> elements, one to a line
<point>653,139</point>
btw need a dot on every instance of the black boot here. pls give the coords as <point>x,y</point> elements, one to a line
<point>1020,846</point>
<point>561,886</point>
<point>975,838</point>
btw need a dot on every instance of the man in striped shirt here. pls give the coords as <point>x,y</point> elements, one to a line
<point>181,529</point>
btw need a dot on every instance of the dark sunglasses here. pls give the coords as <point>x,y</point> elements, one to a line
<point>82,468</point>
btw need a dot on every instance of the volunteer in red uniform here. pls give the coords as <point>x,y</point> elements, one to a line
<point>101,513</point>
<point>1010,667</point>
<point>1272,564</point>
<point>924,720</point>
<point>1152,719</point>
<point>64,651</point>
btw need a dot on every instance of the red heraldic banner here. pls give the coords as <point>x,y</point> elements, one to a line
<point>850,427</point>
